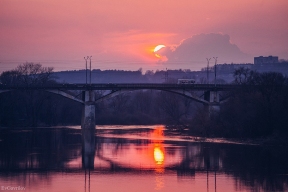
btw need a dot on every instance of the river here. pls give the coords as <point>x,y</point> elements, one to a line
<point>135,159</point>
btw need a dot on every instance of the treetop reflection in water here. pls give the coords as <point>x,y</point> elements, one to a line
<point>144,160</point>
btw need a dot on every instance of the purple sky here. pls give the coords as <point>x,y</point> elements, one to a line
<point>123,34</point>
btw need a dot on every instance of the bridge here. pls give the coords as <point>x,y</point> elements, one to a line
<point>207,94</point>
<point>210,92</point>
<point>181,89</point>
<point>109,86</point>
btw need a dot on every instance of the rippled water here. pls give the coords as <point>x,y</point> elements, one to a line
<point>135,158</point>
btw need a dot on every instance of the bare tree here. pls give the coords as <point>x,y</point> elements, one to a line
<point>119,103</point>
<point>174,106</point>
<point>241,75</point>
<point>10,77</point>
<point>28,74</point>
<point>32,73</point>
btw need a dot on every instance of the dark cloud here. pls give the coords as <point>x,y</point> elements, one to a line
<point>196,49</point>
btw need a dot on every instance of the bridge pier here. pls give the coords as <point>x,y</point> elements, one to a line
<point>214,101</point>
<point>88,130</point>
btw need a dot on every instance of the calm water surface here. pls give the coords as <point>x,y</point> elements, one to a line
<point>135,159</point>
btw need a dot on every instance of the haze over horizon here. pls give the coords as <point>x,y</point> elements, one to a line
<point>122,35</point>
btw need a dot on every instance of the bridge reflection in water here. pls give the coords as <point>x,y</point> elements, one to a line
<point>149,157</point>
<point>139,159</point>
<point>156,148</point>
<point>121,155</point>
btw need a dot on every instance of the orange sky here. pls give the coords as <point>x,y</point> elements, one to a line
<point>122,34</point>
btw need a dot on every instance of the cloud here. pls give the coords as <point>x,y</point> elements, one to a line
<point>196,49</point>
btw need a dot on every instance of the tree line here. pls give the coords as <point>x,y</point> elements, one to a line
<point>31,107</point>
<point>258,108</point>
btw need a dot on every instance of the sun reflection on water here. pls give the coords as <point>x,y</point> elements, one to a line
<point>157,137</point>
<point>158,155</point>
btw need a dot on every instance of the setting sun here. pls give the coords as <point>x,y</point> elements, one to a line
<point>158,47</point>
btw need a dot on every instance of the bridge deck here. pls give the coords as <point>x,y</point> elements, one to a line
<point>121,86</point>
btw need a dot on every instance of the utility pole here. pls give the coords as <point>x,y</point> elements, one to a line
<point>215,58</point>
<point>90,68</point>
<point>208,69</point>
<point>86,58</point>
<point>166,76</point>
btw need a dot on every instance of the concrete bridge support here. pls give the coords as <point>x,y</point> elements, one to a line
<point>214,101</point>
<point>88,130</point>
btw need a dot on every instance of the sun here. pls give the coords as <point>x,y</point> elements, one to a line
<point>157,48</point>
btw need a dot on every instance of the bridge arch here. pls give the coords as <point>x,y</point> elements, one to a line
<point>211,94</point>
<point>115,92</point>
<point>57,92</point>
<point>184,93</point>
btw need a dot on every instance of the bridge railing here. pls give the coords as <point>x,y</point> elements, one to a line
<point>116,86</point>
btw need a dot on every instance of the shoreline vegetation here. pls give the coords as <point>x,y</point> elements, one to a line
<point>256,112</point>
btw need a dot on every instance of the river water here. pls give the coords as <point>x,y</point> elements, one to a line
<point>135,159</point>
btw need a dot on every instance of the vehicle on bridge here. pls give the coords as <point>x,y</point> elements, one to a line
<point>186,81</point>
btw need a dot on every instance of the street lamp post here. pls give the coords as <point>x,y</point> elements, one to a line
<point>90,67</point>
<point>208,69</point>
<point>86,58</point>
<point>215,58</point>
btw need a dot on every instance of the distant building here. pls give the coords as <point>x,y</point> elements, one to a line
<point>270,64</point>
<point>265,60</point>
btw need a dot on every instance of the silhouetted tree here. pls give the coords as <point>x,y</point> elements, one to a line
<point>258,108</point>
<point>10,77</point>
<point>176,108</point>
<point>28,102</point>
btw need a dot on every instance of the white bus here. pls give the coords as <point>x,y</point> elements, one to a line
<point>186,81</point>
